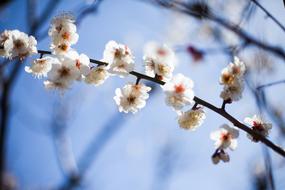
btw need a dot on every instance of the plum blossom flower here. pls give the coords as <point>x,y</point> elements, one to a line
<point>6,43</point>
<point>233,92</point>
<point>232,79</point>
<point>14,43</point>
<point>179,91</point>
<point>119,57</point>
<point>192,119</point>
<point>62,74</point>
<point>97,75</point>
<point>259,126</point>
<point>60,49</point>
<point>225,137</point>
<point>82,62</point>
<point>159,60</point>
<point>40,67</point>
<point>132,97</point>
<point>63,33</point>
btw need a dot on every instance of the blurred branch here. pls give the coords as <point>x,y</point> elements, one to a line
<point>38,22</point>
<point>31,13</point>
<point>62,143</point>
<point>268,165</point>
<point>8,83</point>
<point>263,105</point>
<point>81,14</point>
<point>95,147</point>
<point>165,166</point>
<point>268,14</point>
<point>201,11</point>
<point>270,84</point>
<point>90,9</point>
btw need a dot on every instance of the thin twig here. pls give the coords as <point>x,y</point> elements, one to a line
<point>241,126</point>
<point>138,75</point>
<point>269,14</point>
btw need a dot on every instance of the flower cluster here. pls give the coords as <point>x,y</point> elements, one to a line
<point>65,65</point>
<point>225,137</point>
<point>63,33</point>
<point>14,43</point>
<point>232,79</point>
<point>119,57</point>
<point>159,60</point>
<point>258,125</point>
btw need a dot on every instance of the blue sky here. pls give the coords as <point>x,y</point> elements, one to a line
<point>130,159</point>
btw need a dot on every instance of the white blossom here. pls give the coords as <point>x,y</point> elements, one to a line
<point>97,75</point>
<point>179,91</point>
<point>237,67</point>
<point>119,57</point>
<point>63,73</point>
<point>232,79</point>
<point>233,92</point>
<point>14,43</point>
<point>225,137</point>
<point>82,61</point>
<point>60,49</point>
<point>63,30</point>
<point>259,126</point>
<point>192,119</point>
<point>6,43</point>
<point>131,97</point>
<point>40,67</point>
<point>57,85</point>
<point>159,60</point>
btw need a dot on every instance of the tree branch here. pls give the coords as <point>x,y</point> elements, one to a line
<point>269,14</point>
<point>186,9</point>
<point>270,84</point>
<point>241,126</point>
<point>220,111</point>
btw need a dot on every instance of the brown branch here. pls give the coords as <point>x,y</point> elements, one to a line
<point>241,126</point>
<point>138,75</point>
<point>221,111</point>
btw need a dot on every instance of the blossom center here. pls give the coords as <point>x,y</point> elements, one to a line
<point>236,70</point>
<point>131,99</point>
<point>63,72</point>
<point>227,78</point>
<point>226,136</point>
<point>18,44</point>
<point>179,88</point>
<point>118,54</point>
<point>63,47</point>
<point>161,52</point>
<point>65,35</point>
<point>257,126</point>
<point>77,64</point>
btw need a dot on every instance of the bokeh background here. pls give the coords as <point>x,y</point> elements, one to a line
<point>52,136</point>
